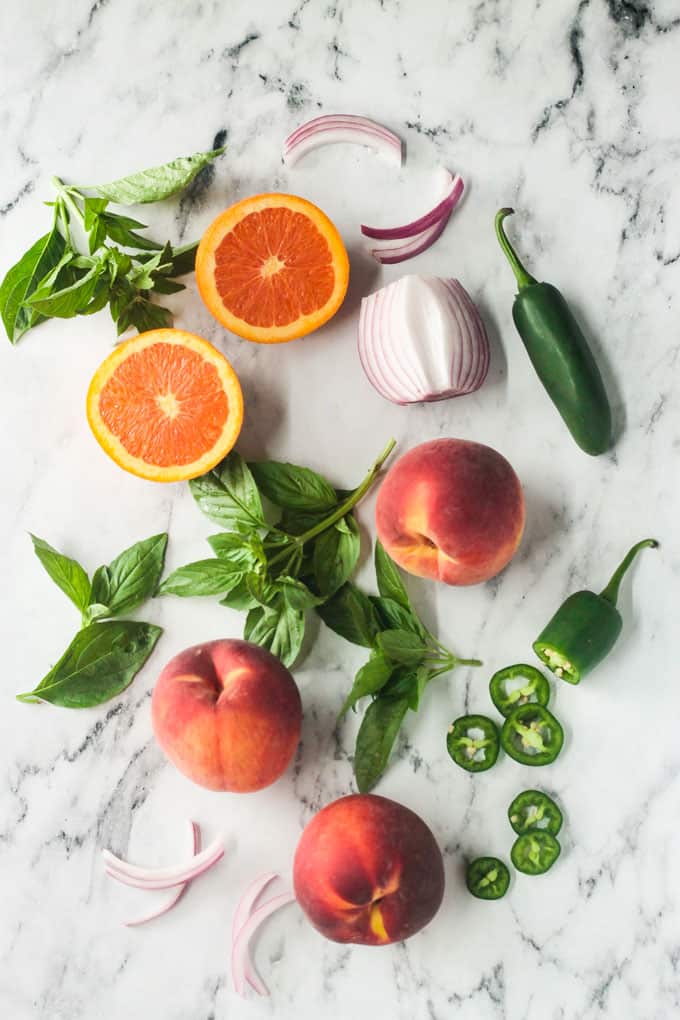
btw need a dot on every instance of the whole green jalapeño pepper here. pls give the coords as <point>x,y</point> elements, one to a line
<point>560,353</point>
<point>585,627</point>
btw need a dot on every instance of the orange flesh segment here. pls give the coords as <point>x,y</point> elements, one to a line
<point>274,267</point>
<point>165,404</point>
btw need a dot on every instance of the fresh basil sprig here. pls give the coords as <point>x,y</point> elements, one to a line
<point>275,572</point>
<point>93,257</point>
<point>106,654</point>
<point>405,657</point>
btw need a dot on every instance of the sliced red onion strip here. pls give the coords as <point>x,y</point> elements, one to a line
<point>329,120</point>
<point>178,893</point>
<point>414,246</point>
<point>163,878</point>
<point>430,218</point>
<point>332,129</point>
<point>240,953</point>
<point>248,901</point>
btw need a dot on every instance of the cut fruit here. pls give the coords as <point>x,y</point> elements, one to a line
<point>272,268</point>
<point>165,405</point>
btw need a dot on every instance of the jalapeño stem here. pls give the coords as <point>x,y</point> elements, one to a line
<point>611,592</point>
<point>524,279</point>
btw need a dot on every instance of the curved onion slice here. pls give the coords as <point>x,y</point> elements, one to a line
<point>242,967</point>
<point>245,905</point>
<point>420,234</point>
<point>333,128</point>
<point>177,894</point>
<point>422,338</point>
<point>162,878</point>
<point>413,246</point>
<point>455,188</point>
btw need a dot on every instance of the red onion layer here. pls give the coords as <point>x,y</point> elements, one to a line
<point>331,129</point>
<point>247,920</point>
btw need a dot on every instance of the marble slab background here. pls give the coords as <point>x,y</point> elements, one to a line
<point>569,112</point>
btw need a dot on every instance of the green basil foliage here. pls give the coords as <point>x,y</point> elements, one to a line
<point>106,654</point>
<point>93,257</point>
<point>278,571</point>
<point>404,658</point>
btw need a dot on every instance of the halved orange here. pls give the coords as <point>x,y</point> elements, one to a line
<point>165,405</point>
<point>272,268</point>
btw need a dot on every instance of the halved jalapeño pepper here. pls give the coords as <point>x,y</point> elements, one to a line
<point>585,627</point>
<point>532,735</point>
<point>532,811</point>
<point>535,852</point>
<point>487,878</point>
<point>518,685</point>
<point>560,353</point>
<point>473,742</point>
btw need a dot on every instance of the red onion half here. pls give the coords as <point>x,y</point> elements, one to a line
<point>422,338</point>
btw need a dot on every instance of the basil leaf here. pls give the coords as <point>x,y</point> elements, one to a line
<point>350,614</point>
<point>101,587</point>
<point>23,278</point>
<point>100,662</point>
<point>66,573</point>
<point>408,682</point>
<point>336,553</point>
<point>99,299</point>
<point>132,577</point>
<point>372,676</point>
<point>184,259</point>
<point>377,733</point>
<point>92,208</point>
<point>164,285</point>
<point>402,646</point>
<point>70,300</point>
<point>280,629</point>
<point>262,590</point>
<point>95,611</point>
<point>241,550</point>
<point>296,594</point>
<point>390,584</point>
<point>296,522</point>
<point>143,315</point>
<point>395,617</point>
<point>228,494</point>
<point>96,235</point>
<point>240,596</point>
<point>293,488</point>
<point>158,182</point>
<point>204,577</point>
<point>121,230</point>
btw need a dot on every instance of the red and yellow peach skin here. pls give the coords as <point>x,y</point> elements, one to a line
<point>451,510</point>
<point>228,715</point>
<point>368,870</point>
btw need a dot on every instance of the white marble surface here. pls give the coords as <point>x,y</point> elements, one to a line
<point>567,111</point>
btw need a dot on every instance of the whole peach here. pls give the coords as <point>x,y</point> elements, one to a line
<point>228,715</point>
<point>451,510</point>
<point>368,870</point>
